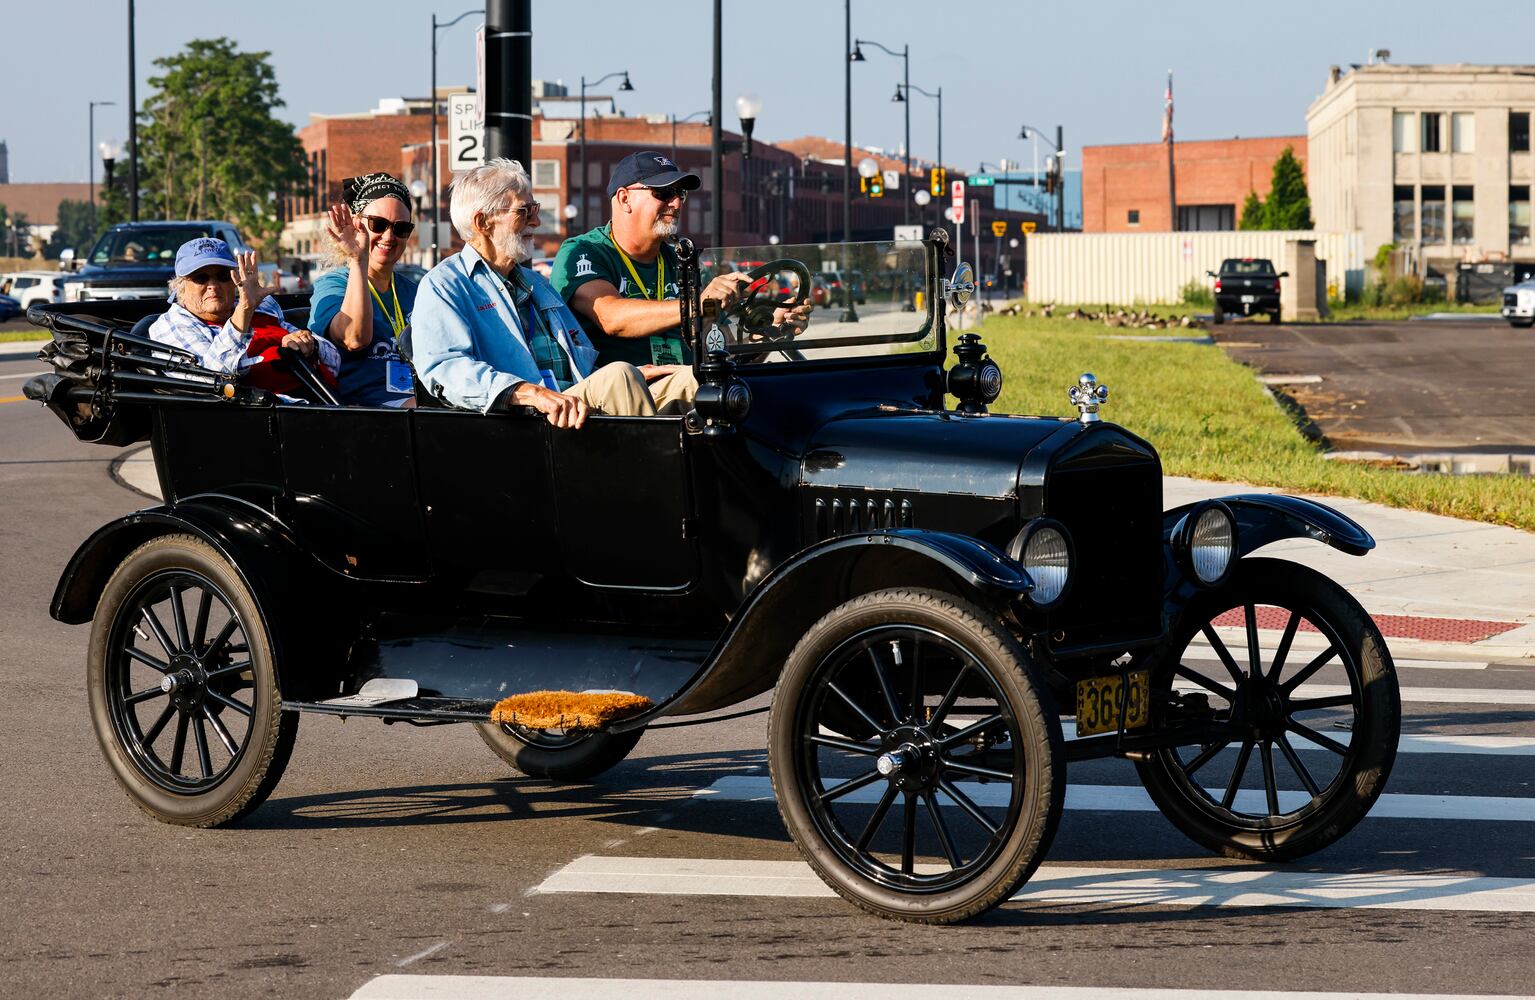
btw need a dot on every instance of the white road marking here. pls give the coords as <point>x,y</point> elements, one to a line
<point>406,987</point>
<point>1491,746</point>
<point>418,956</point>
<point>1213,661</point>
<point>1420,695</point>
<point>1133,798</point>
<point>24,375</point>
<point>1242,886</point>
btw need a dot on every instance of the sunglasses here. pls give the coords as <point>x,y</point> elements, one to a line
<point>669,193</point>
<point>526,211</point>
<point>206,275</point>
<point>379,226</point>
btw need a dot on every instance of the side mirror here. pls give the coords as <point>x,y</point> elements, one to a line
<point>1284,274</point>
<point>1210,273</point>
<point>961,286</point>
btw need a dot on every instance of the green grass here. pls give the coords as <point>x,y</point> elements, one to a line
<point>1210,419</point>
<point>30,333</point>
<point>1343,312</point>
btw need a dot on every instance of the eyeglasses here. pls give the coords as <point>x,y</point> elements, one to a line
<point>668,193</point>
<point>207,274</point>
<point>527,210</point>
<point>378,226</point>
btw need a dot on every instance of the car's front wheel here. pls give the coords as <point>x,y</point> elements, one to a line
<point>558,754</point>
<point>915,756</point>
<point>1523,324</point>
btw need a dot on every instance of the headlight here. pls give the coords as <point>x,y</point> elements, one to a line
<point>1045,553</point>
<point>1205,543</point>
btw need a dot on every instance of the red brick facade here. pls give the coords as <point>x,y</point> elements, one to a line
<point>1124,188</point>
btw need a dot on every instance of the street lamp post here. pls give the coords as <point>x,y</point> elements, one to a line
<point>436,163</point>
<point>111,151</point>
<point>1058,145</point>
<point>937,97</point>
<point>91,159</point>
<point>922,197</point>
<point>625,86</point>
<point>417,192</point>
<point>685,118</point>
<point>905,56</point>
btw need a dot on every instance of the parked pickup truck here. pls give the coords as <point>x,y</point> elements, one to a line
<point>1247,286</point>
<point>1519,303</point>
<point>136,260</point>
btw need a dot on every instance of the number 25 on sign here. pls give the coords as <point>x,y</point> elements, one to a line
<point>466,141</point>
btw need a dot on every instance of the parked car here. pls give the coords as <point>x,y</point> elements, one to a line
<point>925,587</point>
<point>136,260</point>
<point>1519,304</point>
<point>1246,286</point>
<point>820,290</point>
<point>9,308</point>
<point>853,279</point>
<point>31,287</point>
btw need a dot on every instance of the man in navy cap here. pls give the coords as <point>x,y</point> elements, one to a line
<point>620,279</point>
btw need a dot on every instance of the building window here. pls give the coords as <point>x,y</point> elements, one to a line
<point>1432,132</point>
<point>1433,213</point>
<point>1518,131</point>
<point>1401,132</point>
<point>1134,217</point>
<point>1519,214</point>
<point>546,173</point>
<point>1463,132</point>
<point>1206,218</point>
<point>1463,214</point>
<point>1404,227</point>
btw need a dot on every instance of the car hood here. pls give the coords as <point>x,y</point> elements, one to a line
<point>124,273</point>
<point>926,451</point>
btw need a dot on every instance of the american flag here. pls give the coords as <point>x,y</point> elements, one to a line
<point>1167,112</point>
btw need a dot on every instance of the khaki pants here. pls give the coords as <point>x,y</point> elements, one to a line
<point>619,390</point>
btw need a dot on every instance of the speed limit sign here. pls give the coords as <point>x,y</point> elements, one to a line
<point>466,141</point>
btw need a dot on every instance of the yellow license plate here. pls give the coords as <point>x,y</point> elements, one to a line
<point>1098,703</point>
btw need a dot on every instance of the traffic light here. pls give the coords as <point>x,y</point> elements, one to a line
<point>1050,182</point>
<point>940,182</point>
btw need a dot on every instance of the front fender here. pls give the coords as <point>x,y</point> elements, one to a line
<point>748,658</point>
<point>1267,517</point>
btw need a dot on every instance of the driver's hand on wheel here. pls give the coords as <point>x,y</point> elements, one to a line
<point>725,290</point>
<point>793,321</point>
<point>562,411</point>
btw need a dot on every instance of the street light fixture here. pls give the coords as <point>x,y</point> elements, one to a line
<point>436,163</point>
<point>417,192</point>
<point>569,211</point>
<point>1030,132</point>
<point>623,88</point>
<point>905,56</point>
<point>91,159</point>
<point>748,107</point>
<point>903,90</point>
<point>685,118</point>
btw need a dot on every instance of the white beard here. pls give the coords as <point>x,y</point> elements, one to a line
<point>665,230</point>
<point>518,248</point>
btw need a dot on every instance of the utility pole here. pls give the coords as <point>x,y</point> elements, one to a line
<point>133,124</point>
<point>508,97</point>
<point>1060,179</point>
<point>716,144</point>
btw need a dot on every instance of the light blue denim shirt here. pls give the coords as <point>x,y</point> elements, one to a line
<point>467,339</point>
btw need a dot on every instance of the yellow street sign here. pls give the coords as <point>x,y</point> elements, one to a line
<point>1027,227</point>
<point>999,228</point>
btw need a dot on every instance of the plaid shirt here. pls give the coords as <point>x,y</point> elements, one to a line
<point>222,348</point>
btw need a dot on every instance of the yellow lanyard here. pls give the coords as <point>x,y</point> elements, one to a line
<point>397,321</point>
<point>660,270</point>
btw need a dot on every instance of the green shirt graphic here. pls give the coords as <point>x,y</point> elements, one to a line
<point>591,257</point>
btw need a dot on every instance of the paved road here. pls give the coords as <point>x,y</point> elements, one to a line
<point>1410,386</point>
<point>396,851</point>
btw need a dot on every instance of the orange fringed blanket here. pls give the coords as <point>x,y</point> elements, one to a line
<point>568,709</point>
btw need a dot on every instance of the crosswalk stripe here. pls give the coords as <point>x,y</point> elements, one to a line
<point>1133,798</point>
<point>1419,695</point>
<point>402,987</point>
<point>1212,660</point>
<point>1491,746</point>
<point>1243,886</point>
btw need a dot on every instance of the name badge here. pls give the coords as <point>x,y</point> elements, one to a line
<point>547,375</point>
<point>665,351</point>
<point>399,377</point>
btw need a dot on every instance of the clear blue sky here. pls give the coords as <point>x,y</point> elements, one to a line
<point>1097,67</point>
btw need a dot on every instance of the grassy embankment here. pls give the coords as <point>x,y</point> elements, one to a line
<point>1211,419</point>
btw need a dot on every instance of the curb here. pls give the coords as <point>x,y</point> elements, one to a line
<point>135,471</point>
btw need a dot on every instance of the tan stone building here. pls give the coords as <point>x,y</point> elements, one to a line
<point>1435,159</point>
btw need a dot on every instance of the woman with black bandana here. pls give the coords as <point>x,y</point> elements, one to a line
<point>364,306</point>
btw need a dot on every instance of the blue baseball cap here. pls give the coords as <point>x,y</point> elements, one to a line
<point>652,169</point>
<point>201,252</point>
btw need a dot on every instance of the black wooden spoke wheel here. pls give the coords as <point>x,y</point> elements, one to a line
<point>915,758</point>
<point>1297,720</point>
<point>182,686</point>
<point>558,754</point>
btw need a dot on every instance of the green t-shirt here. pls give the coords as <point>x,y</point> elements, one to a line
<point>592,256</point>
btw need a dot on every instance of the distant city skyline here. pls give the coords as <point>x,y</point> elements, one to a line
<point>1099,69</point>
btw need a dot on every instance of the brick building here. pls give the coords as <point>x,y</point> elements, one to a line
<point>1124,187</point>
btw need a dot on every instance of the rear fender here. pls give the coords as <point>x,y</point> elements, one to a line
<point>749,657</point>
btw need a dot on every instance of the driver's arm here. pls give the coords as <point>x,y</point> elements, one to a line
<point>599,302</point>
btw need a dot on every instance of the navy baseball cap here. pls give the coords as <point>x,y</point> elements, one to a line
<point>652,169</point>
<point>201,252</point>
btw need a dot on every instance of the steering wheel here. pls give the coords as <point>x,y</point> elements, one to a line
<point>762,297</point>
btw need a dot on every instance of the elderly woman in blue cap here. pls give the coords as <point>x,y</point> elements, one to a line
<point>364,306</point>
<point>217,303</point>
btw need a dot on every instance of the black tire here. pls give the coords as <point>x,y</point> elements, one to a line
<point>1218,317</point>
<point>555,754</point>
<point>1258,710</point>
<point>1522,324</point>
<point>150,687</point>
<point>1274,316</point>
<point>872,685</point>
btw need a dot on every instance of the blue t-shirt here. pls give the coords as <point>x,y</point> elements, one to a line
<point>365,374</point>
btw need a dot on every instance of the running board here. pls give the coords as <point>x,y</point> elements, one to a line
<point>425,710</point>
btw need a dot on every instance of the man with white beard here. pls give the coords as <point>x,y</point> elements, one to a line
<point>621,278</point>
<point>488,333</point>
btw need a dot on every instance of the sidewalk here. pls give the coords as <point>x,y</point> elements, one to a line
<point>1440,588</point>
<point>21,350</point>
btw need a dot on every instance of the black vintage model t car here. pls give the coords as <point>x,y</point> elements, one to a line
<point>928,589</point>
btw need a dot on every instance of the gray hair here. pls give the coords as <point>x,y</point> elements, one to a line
<point>485,189</point>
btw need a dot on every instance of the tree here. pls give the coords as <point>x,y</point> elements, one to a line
<point>1288,206</point>
<point>210,145</point>
<point>76,229</point>
<point>1252,212</point>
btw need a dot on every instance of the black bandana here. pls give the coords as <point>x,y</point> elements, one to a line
<point>358,192</point>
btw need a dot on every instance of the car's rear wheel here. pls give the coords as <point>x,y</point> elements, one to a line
<point>1219,316</point>
<point>1274,316</point>
<point>1523,323</point>
<point>1324,721</point>
<point>183,686</point>
<point>558,754</point>
<point>915,757</point>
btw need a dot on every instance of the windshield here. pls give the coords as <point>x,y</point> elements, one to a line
<point>866,299</point>
<point>156,247</point>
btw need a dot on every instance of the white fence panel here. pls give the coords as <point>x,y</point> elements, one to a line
<point>1151,268</point>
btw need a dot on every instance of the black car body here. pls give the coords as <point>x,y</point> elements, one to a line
<point>927,589</point>
<point>1246,286</point>
<point>136,260</point>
